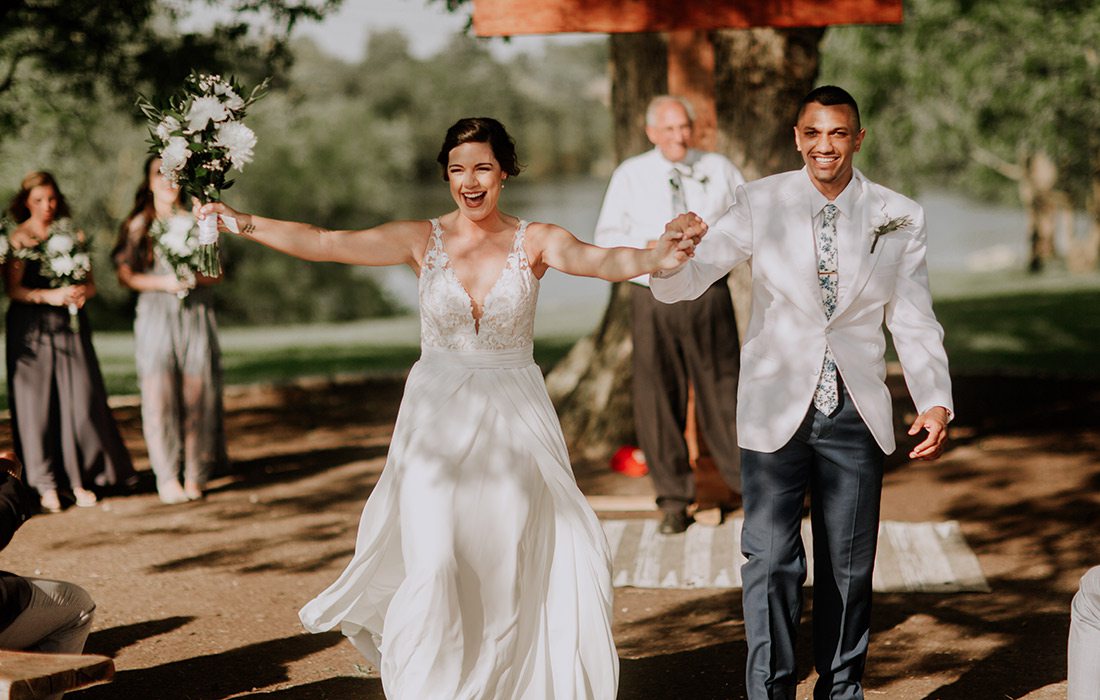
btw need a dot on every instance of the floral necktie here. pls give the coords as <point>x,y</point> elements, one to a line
<point>826,396</point>
<point>676,182</point>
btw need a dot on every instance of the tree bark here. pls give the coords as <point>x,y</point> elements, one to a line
<point>591,386</point>
<point>760,76</point>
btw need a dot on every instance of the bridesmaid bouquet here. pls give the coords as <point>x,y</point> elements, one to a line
<point>5,247</point>
<point>64,259</point>
<point>199,137</point>
<point>176,241</point>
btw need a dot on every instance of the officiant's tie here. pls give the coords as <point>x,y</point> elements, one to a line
<point>826,396</point>
<point>676,183</point>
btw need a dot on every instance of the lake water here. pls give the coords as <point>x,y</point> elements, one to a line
<point>963,237</point>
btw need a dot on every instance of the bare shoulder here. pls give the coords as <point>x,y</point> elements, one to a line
<point>541,233</point>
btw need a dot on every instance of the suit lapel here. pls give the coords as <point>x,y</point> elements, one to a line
<point>857,248</point>
<point>796,228</point>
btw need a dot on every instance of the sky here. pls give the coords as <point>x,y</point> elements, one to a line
<point>428,25</point>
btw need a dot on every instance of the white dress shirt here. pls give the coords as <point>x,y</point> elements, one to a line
<point>638,202</point>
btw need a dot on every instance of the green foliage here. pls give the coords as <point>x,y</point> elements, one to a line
<point>339,145</point>
<point>110,49</point>
<point>1008,77</point>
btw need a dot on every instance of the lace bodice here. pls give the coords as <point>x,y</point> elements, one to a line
<point>446,309</point>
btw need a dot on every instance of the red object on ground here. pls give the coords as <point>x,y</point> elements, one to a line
<point>629,460</point>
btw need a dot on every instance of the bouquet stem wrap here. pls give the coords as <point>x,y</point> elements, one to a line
<point>74,318</point>
<point>209,259</point>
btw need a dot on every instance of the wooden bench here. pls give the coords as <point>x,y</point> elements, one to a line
<point>25,675</point>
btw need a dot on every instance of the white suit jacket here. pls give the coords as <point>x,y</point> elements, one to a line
<point>771,224</point>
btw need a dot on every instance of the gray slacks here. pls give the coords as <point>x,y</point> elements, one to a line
<point>57,620</point>
<point>689,343</point>
<point>1084,639</point>
<point>837,459</point>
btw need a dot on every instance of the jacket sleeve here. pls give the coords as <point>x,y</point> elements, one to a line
<point>918,336</point>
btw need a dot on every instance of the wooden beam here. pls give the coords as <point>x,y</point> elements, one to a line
<point>511,17</point>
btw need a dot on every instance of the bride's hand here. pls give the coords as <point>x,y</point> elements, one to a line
<point>224,212</point>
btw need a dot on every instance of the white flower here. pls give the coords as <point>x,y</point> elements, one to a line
<point>239,140</point>
<point>59,244</point>
<point>167,127</point>
<point>174,156</point>
<point>177,236</point>
<point>62,265</point>
<point>229,98</point>
<point>204,110</point>
<point>82,264</point>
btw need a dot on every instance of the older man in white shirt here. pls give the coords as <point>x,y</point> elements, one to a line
<point>692,343</point>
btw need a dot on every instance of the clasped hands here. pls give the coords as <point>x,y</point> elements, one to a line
<point>677,244</point>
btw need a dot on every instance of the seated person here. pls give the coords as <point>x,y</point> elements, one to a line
<point>1084,639</point>
<point>36,614</point>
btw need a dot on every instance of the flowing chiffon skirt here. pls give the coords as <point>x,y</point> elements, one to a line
<point>479,571</point>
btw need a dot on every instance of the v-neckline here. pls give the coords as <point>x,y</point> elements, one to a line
<point>449,265</point>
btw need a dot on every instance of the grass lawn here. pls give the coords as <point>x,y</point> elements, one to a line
<point>994,323</point>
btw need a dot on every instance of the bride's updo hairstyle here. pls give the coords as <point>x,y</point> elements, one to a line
<point>481,130</point>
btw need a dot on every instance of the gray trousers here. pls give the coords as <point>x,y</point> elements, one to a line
<point>1084,639</point>
<point>689,343</point>
<point>57,620</point>
<point>837,459</point>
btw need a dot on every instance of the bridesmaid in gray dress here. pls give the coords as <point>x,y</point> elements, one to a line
<point>62,428</point>
<point>176,347</point>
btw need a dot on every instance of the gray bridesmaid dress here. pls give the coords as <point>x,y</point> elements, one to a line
<point>61,426</point>
<point>179,371</point>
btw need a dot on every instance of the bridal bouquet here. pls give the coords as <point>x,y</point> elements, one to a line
<point>177,243</point>
<point>63,255</point>
<point>199,137</point>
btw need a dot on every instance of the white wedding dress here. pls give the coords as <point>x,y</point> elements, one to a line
<point>480,572</point>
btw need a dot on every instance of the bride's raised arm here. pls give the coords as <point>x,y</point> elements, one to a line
<point>557,248</point>
<point>393,243</point>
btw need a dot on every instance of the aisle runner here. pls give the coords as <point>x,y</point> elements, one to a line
<point>912,557</point>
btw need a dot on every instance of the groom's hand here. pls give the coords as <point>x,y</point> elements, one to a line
<point>934,420</point>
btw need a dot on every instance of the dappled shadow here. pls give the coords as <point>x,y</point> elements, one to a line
<point>1029,650</point>
<point>715,671</point>
<point>215,675</point>
<point>109,642</point>
<point>328,689</point>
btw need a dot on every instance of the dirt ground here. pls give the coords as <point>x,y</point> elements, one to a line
<point>201,600</point>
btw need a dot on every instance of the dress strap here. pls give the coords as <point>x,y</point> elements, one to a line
<point>434,254</point>
<point>517,242</point>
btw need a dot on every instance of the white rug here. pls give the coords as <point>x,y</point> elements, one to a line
<point>912,557</point>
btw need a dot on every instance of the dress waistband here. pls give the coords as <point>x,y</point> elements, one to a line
<point>479,359</point>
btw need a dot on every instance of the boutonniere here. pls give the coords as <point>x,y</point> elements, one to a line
<point>889,226</point>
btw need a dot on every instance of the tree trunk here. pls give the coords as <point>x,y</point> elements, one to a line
<point>591,386</point>
<point>1092,253</point>
<point>760,76</point>
<point>1040,175</point>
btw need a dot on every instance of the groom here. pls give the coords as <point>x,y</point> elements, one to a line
<point>834,256</point>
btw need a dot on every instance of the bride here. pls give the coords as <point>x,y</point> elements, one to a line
<point>479,570</point>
